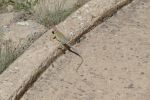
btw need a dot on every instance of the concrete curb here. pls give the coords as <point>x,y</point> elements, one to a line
<point>24,71</point>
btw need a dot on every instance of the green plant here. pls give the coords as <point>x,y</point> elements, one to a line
<point>25,5</point>
<point>53,14</point>
<point>1,33</point>
<point>7,54</point>
<point>53,18</point>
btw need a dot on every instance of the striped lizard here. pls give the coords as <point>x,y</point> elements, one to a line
<point>65,43</point>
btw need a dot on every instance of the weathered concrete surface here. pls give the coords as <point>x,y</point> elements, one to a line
<point>116,62</point>
<point>24,33</point>
<point>85,17</point>
<point>23,70</point>
<point>8,18</point>
<point>19,36</point>
<point>15,80</point>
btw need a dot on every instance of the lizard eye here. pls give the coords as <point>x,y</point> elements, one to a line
<point>53,32</point>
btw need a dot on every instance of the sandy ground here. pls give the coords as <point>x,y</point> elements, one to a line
<point>116,62</point>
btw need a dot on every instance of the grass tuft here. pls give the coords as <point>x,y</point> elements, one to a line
<point>7,52</point>
<point>7,55</point>
<point>26,5</point>
<point>52,12</point>
<point>53,18</point>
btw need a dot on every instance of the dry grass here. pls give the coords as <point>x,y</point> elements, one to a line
<point>52,12</point>
<point>7,55</point>
<point>7,52</point>
<point>47,12</point>
<point>3,4</point>
<point>26,5</point>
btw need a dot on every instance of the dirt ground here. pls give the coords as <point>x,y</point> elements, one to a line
<point>116,62</point>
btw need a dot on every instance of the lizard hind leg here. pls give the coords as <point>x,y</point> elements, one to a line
<point>62,49</point>
<point>64,52</point>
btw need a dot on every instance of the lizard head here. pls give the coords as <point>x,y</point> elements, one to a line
<point>54,30</point>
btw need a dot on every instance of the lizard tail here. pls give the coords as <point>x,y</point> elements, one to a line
<point>69,48</point>
<point>79,64</point>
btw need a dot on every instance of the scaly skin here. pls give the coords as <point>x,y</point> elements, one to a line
<point>59,36</point>
<point>64,41</point>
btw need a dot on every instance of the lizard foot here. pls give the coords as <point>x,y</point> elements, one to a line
<point>62,50</point>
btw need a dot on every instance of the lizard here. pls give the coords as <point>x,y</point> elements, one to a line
<point>59,36</point>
